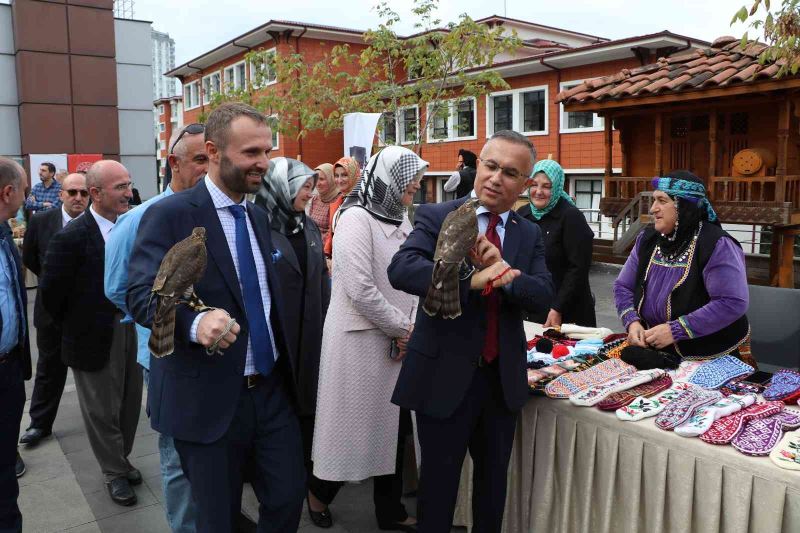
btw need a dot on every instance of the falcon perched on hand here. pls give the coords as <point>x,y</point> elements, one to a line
<point>457,236</point>
<point>183,266</point>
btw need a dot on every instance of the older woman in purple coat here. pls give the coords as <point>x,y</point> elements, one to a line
<point>684,286</point>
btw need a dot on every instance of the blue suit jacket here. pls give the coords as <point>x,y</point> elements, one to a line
<point>443,354</point>
<point>193,396</point>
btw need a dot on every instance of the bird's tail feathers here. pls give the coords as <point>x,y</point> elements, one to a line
<point>443,295</point>
<point>162,334</point>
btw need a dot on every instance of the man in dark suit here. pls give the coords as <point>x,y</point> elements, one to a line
<point>51,372</point>
<point>99,348</point>
<point>15,355</point>
<point>235,408</point>
<point>466,377</point>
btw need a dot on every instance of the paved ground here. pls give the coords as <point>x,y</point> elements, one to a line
<point>63,488</point>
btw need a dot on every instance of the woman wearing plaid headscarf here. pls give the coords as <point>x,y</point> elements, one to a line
<point>568,247</point>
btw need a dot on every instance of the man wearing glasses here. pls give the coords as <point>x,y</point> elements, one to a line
<point>188,162</point>
<point>51,373</point>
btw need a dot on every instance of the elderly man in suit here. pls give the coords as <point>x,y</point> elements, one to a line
<point>465,377</point>
<point>225,410</point>
<point>99,348</point>
<point>51,372</point>
<point>15,355</point>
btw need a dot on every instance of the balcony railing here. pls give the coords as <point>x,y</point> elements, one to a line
<point>721,188</point>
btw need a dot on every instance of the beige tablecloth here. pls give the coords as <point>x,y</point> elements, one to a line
<point>578,469</point>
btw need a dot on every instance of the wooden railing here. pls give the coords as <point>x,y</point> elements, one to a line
<point>624,187</point>
<point>630,220</point>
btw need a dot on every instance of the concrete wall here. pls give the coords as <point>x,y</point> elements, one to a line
<point>135,103</point>
<point>9,113</point>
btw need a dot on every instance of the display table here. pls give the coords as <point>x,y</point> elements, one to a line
<point>579,469</point>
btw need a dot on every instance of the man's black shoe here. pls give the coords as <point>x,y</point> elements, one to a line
<point>134,476</point>
<point>33,435</point>
<point>20,466</point>
<point>120,491</point>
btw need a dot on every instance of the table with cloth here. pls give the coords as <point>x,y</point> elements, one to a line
<point>580,469</point>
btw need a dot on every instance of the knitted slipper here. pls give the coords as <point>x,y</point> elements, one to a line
<point>642,407</point>
<point>615,400</point>
<point>685,371</point>
<point>685,406</point>
<point>739,386</point>
<point>787,453</point>
<point>714,374</point>
<point>613,350</point>
<point>535,375</point>
<point>568,384</point>
<point>594,395</point>
<point>783,385</point>
<point>759,437</point>
<point>705,416</point>
<point>723,431</point>
<point>553,370</point>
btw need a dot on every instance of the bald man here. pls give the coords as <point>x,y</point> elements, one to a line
<point>99,348</point>
<point>51,372</point>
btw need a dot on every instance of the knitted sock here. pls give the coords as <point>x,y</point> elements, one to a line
<point>615,400</point>
<point>685,370</point>
<point>723,431</point>
<point>685,406</point>
<point>759,437</point>
<point>705,416</point>
<point>643,407</point>
<point>783,385</point>
<point>787,453</point>
<point>714,374</point>
<point>595,394</point>
<point>564,386</point>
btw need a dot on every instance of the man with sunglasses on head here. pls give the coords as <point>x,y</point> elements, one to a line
<point>188,162</point>
<point>51,372</point>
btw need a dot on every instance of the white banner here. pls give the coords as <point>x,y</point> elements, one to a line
<point>59,160</point>
<point>359,133</point>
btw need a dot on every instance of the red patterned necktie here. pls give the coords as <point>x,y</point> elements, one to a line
<point>491,343</point>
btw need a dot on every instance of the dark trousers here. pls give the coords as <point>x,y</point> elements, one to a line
<point>12,401</point>
<point>325,491</point>
<point>263,435</point>
<point>51,374</point>
<point>484,425</point>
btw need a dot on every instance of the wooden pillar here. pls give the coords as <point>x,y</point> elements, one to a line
<point>608,141</point>
<point>784,117</point>
<point>659,166</point>
<point>712,145</point>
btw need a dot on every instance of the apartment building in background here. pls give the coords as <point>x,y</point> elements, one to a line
<point>169,118</point>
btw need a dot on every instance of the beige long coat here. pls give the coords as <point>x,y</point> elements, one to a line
<point>355,433</point>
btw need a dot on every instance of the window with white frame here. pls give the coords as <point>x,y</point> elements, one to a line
<point>212,84</point>
<point>191,95</point>
<point>388,133</point>
<point>162,144</point>
<point>272,120</point>
<point>401,128</point>
<point>262,73</point>
<point>453,120</point>
<point>161,109</point>
<point>161,126</point>
<point>587,197</point>
<point>522,110</point>
<point>578,121</point>
<point>235,77</point>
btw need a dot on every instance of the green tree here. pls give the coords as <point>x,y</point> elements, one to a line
<point>781,31</point>
<point>437,65</point>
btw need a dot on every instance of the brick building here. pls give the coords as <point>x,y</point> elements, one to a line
<point>169,117</point>
<point>550,60</point>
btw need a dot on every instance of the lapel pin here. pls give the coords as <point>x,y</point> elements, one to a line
<point>276,256</point>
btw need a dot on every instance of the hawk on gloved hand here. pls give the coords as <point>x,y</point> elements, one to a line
<point>456,238</point>
<point>183,266</point>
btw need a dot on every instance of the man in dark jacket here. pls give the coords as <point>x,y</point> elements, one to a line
<point>100,350</point>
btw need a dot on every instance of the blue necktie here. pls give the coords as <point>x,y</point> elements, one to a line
<point>263,356</point>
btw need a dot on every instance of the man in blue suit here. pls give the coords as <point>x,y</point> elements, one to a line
<point>465,378</point>
<point>225,410</point>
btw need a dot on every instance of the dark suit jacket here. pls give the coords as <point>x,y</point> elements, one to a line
<point>23,349</point>
<point>71,289</point>
<point>568,241</point>
<point>307,299</point>
<point>194,396</point>
<point>443,354</point>
<point>41,228</point>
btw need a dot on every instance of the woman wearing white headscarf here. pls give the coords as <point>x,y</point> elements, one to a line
<point>358,432</point>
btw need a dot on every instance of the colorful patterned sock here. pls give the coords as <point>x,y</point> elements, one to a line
<point>642,407</point>
<point>685,406</point>
<point>615,400</point>
<point>714,374</point>
<point>723,431</point>
<point>595,394</point>
<point>759,437</point>
<point>783,385</point>
<point>705,416</point>
<point>787,453</point>
<point>568,384</point>
<point>685,371</point>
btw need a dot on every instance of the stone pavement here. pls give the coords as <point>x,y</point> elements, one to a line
<point>63,487</point>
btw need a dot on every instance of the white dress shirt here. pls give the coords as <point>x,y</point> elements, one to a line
<point>65,218</point>
<point>483,221</point>
<point>104,224</point>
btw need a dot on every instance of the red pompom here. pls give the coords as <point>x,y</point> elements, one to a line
<point>559,350</point>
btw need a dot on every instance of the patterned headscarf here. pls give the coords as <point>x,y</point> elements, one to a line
<point>333,191</point>
<point>279,187</point>
<point>353,171</point>
<point>556,175</point>
<point>383,184</point>
<point>686,189</point>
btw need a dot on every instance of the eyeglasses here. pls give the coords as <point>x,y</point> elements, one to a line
<point>512,174</point>
<point>74,192</point>
<point>191,129</point>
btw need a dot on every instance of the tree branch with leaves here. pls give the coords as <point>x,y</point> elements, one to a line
<point>781,31</point>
